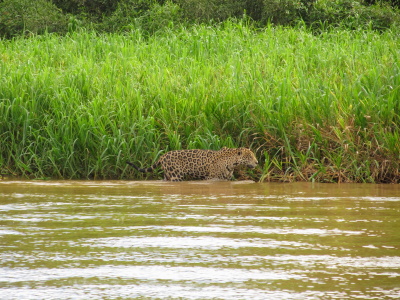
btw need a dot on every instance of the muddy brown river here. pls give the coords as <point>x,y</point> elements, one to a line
<point>198,240</point>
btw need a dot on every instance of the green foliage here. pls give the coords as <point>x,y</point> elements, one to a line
<point>394,3</point>
<point>147,15</point>
<point>21,16</point>
<point>212,10</point>
<point>313,107</point>
<point>25,16</point>
<point>160,17</point>
<point>285,12</point>
<point>380,17</point>
<point>352,14</point>
<point>93,8</point>
<point>318,14</point>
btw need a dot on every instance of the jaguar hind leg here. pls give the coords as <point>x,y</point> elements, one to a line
<point>173,176</point>
<point>176,178</point>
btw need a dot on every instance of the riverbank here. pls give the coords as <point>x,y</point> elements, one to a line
<point>313,107</point>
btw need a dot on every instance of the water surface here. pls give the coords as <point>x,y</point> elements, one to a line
<point>198,240</point>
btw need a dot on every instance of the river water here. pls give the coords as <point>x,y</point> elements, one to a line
<point>198,240</point>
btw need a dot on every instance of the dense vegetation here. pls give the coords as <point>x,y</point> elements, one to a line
<point>315,101</point>
<point>62,16</point>
<point>322,108</point>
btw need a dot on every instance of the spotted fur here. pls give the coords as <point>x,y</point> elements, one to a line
<point>202,164</point>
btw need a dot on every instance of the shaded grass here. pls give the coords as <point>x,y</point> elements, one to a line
<point>323,108</point>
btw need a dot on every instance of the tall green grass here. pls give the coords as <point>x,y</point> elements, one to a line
<point>313,107</point>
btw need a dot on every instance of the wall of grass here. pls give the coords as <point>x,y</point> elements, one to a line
<point>314,107</point>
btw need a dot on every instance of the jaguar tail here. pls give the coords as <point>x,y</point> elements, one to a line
<point>149,169</point>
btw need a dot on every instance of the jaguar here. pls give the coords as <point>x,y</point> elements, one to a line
<point>201,164</point>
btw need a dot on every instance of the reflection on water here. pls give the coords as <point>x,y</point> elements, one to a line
<point>198,240</point>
